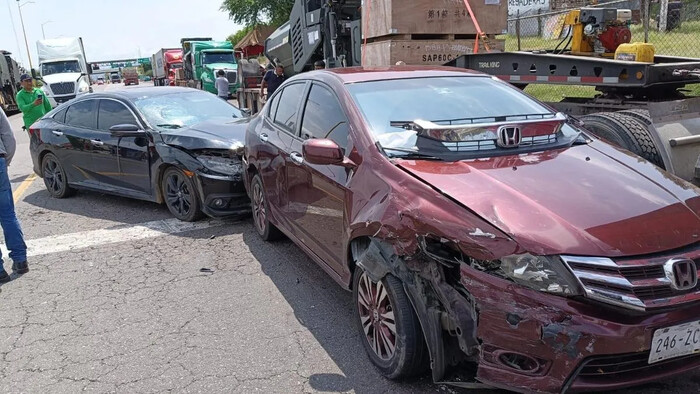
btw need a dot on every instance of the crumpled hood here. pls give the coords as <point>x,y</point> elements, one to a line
<point>61,77</point>
<point>212,134</point>
<point>587,200</point>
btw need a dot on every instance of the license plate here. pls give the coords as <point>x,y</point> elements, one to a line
<point>676,341</point>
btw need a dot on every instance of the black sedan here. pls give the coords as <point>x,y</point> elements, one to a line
<point>177,146</point>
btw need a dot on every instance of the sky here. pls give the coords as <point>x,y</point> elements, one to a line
<point>114,29</point>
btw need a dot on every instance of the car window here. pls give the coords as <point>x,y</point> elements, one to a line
<point>287,109</point>
<point>60,116</point>
<point>82,114</point>
<point>324,117</point>
<point>273,105</point>
<point>113,113</point>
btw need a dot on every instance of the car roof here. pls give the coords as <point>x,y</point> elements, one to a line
<point>132,93</point>
<point>367,74</point>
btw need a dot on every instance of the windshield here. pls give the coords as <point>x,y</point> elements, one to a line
<point>218,57</point>
<point>68,66</point>
<point>434,116</point>
<point>177,110</point>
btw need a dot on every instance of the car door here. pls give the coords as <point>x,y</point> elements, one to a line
<point>317,193</point>
<point>123,163</point>
<point>79,130</point>
<point>278,131</point>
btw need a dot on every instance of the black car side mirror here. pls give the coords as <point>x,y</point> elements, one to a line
<point>245,111</point>
<point>126,130</point>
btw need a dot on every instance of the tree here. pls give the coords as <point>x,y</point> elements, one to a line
<point>253,12</point>
<point>238,36</point>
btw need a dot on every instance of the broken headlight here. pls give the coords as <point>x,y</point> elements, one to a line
<point>541,273</point>
<point>222,165</point>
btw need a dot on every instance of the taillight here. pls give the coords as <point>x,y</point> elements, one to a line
<point>33,132</point>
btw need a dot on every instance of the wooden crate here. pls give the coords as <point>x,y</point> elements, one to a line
<point>390,17</point>
<point>422,52</point>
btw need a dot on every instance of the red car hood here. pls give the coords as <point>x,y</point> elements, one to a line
<point>586,200</point>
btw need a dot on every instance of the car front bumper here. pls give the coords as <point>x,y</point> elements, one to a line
<point>222,196</point>
<point>572,345</point>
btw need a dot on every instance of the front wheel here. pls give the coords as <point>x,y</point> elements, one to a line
<point>392,335</point>
<point>180,195</point>
<point>55,178</point>
<point>266,230</point>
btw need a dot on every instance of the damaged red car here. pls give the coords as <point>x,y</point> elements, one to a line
<point>485,237</point>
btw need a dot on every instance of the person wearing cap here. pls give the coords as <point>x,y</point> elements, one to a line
<point>14,238</point>
<point>319,65</point>
<point>31,101</point>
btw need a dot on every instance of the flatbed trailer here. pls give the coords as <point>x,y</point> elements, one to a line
<point>641,107</point>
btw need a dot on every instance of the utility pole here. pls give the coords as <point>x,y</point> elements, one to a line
<point>42,29</point>
<point>663,18</point>
<point>19,7</point>
<point>14,29</point>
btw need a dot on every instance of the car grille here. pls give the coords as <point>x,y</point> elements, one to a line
<point>638,283</point>
<point>231,76</point>
<point>479,145</point>
<point>63,88</point>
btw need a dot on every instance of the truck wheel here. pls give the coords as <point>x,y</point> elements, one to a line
<point>624,131</point>
<point>641,115</point>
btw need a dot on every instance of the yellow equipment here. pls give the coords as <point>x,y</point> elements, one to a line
<point>598,31</point>
<point>636,52</point>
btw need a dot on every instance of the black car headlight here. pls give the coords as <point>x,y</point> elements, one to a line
<point>222,165</point>
<point>541,273</point>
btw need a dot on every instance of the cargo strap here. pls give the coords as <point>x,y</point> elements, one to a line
<point>480,33</point>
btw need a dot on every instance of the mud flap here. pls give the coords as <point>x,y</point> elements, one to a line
<point>676,132</point>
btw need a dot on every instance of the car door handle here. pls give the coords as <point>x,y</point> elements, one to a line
<point>97,142</point>
<point>264,137</point>
<point>297,158</point>
<point>57,133</point>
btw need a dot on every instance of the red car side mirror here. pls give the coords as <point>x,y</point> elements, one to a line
<point>324,152</point>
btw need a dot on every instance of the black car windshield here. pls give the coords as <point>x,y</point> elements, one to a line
<point>178,110</point>
<point>400,113</point>
<point>218,57</point>
<point>68,66</point>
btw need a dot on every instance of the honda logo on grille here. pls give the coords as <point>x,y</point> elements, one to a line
<point>509,137</point>
<point>682,273</point>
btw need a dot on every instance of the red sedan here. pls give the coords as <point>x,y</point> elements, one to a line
<point>477,227</point>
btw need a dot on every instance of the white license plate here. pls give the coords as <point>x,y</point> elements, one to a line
<point>676,341</point>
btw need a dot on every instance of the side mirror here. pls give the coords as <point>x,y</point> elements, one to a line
<point>245,111</point>
<point>324,152</point>
<point>126,130</point>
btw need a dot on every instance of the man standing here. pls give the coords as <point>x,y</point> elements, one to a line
<point>221,84</point>
<point>272,81</point>
<point>31,101</point>
<point>14,239</point>
<point>319,65</point>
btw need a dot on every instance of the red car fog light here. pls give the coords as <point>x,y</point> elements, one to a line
<point>515,361</point>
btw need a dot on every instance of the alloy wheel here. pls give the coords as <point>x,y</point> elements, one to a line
<point>377,317</point>
<point>178,194</point>
<point>259,213</point>
<point>53,176</point>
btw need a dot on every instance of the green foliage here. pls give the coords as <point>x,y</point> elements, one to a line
<point>238,36</point>
<point>253,12</point>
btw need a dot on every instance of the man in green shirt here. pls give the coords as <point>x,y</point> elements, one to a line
<point>31,101</point>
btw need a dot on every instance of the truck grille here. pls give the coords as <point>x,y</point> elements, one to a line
<point>63,88</point>
<point>635,283</point>
<point>231,76</point>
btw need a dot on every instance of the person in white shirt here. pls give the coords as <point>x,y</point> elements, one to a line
<point>221,84</point>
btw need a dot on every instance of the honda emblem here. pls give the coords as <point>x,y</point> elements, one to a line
<point>509,137</point>
<point>682,273</point>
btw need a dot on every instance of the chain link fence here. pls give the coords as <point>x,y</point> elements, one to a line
<point>672,26</point>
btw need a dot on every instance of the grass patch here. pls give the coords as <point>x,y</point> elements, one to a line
<point>683,41</point>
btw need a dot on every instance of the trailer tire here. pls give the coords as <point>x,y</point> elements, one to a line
<point>626,132</point>
<point>639,114</point>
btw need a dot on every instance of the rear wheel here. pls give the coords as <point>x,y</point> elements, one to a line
<point>626,132</point>
<point>261,212</point>
<point>55,178</point>
<point>390,330</point>
<point>180,195</point>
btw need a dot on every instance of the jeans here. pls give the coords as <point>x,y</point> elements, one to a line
<point>14,238</point>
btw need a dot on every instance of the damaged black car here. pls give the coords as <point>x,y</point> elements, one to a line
<point>177,146</point>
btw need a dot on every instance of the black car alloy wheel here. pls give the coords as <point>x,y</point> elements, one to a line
<point>55,177</point>
<point>180,195</point>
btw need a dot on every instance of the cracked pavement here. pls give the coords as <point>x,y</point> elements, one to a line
<point>140,315</point>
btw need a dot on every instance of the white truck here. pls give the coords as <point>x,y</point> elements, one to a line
<point>64,69</point>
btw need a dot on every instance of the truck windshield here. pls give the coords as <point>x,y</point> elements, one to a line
<point>179,110</point>
<point>68,66</point>
<point>401,112</point>
<point>218,57</point>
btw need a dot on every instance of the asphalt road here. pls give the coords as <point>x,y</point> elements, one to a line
<point>117,301</point>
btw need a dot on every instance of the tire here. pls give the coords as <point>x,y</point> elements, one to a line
<point>260,208</point>
<point>55,178</point>
<point>378,306</point>
<point>180,195</point>
<point>624,131</point>
<point>641,115</point>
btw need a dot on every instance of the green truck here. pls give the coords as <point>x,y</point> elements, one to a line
<point>203,58</point>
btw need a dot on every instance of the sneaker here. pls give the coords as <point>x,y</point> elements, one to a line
<point>20,268</point>
<point>4,277</point>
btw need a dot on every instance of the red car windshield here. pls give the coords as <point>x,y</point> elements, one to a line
<point>453,117</point>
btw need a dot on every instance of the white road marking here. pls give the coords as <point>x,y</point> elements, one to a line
<point>120,233</point>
